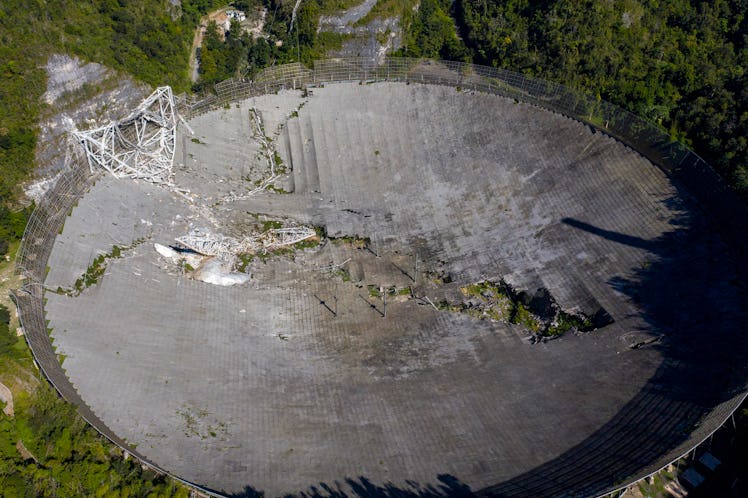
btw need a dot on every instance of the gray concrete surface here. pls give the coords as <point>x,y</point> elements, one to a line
<point>264,388</point>
<point>223,157</point>
<point>114,212</point>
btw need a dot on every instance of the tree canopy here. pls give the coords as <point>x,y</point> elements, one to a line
<point>681,63</point>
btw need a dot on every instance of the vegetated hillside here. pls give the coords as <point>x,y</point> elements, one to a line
<point>679,63</point>
<point>431,32</point>
<point>284,41</point>
<point>148,39</point>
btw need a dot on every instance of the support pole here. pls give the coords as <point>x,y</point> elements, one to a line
<point>384,301</point>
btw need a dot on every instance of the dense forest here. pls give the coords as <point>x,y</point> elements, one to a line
<point>681,64</point>
<point>431,32</point>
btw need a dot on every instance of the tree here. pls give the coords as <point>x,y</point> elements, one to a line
<point>7,337</point>
<point>680,64</point>
<point>432,33</point>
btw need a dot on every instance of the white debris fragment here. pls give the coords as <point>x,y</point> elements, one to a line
<point>226,248</point>
<point>208,269</point>
<point>216,272</point>
<point>164,251</point>
<point>180,258</point>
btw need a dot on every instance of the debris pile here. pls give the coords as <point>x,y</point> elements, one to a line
<point>212,258</point>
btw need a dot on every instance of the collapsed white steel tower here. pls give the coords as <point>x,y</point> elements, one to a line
<point>138,146</point>
<point>227,248</point>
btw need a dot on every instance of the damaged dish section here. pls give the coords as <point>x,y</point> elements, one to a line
<point>204,268</point>
<point>217,259</point>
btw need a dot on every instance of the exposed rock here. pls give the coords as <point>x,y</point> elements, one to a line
<point>6,396</point>
<point>373,40</point>
<point>80,95</point>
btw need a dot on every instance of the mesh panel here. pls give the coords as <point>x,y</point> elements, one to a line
<point>672,157</point>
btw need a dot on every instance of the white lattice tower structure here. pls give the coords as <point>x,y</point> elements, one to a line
<point>227,248</point>
<point>210,244</point>
<point>279,237</point>
<point>138,146</point>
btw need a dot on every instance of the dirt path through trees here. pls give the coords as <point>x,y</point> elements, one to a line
<point>197,40</point>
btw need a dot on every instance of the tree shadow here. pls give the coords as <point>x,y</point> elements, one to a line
<point>361,487</point>
<point>629,240</point>
<point>247,492</point>
<point>692,297</point>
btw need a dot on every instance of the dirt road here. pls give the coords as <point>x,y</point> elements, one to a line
<point>219,16</point>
